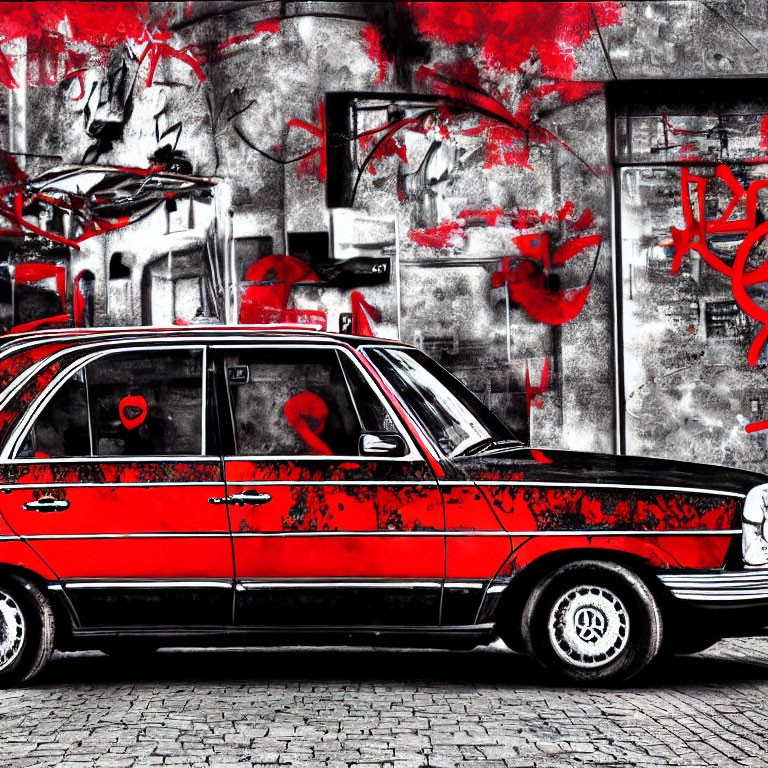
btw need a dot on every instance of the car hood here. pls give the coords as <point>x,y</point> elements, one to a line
<point>555,466</point>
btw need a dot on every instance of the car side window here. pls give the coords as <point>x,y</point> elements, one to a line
<point>62,428</point>
<point>295,402</point>
<point>125,404</point>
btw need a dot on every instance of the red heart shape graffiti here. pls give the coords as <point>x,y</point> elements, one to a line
<point>133,411</point>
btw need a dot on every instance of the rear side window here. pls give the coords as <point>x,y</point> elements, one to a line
<point>298,402</point>
<point>145,403</point>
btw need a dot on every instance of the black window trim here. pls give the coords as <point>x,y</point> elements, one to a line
<point>226,419</point>
<point>22,428</point>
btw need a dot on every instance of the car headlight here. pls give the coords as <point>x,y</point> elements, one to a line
<point>754,540</point>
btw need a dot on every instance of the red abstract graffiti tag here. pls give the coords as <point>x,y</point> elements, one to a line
<point>133,411</point>
<point>742,274</point>
<point>306,413</point>
<point>271,279</point>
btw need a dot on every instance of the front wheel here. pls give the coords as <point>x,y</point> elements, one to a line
<point>592,621</point>
<point>26,631</point>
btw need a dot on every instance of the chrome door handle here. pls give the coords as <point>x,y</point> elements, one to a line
<point>246,497</point>
<point>46,504</point>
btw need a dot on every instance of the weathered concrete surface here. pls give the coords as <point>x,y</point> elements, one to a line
<point>341,708</point>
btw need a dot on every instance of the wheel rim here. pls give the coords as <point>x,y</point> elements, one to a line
<point>588,626</point>
<point>12,630</point>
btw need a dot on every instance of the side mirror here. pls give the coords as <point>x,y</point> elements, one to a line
<point>382,444</point>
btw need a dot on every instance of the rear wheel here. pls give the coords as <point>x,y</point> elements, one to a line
<point>26,631</point>
<point>592,621</point>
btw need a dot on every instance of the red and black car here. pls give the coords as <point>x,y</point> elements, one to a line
<point>233,486</point>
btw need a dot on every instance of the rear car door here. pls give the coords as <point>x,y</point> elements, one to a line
<point>324,536</point>
<point>109,477</point>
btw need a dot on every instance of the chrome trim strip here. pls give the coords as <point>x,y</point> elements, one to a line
<point>108,484</point>
<point>496,588</point>
<point>669,488</point>
<point>141,535</point>
<point>117,460</point>
<point>10,538</point>
<point>24,424</point>
<point>465,584</point>
<point>359,534</point>
<point>720,586</point>
<point>254,585</point>
<point>148,584</point>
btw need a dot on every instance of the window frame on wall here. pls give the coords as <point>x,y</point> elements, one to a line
<point>665,96</point>
<point>22,431</point>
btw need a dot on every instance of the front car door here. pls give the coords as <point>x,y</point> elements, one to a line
<point>324,536</point>
<point>108,477</point>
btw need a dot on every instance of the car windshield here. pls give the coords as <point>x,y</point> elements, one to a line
<point>450,414</point>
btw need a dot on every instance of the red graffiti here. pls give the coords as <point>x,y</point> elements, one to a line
<point>364,315</point>
<point>532,392</point>
<point>26,274</point>
<point>314,162</point>
<point>306,413</point>
<point>271,280</point>
<point>447,234</point>
<point>511,35</point>
<point>375,51</point>
<point>389,147</point>
<point>514,37</point>
<point>266,27</point>
<point>133,411</point>
<point>526,283</point>
<point>452,232</point>
<point>742,274</point>
<point>92,30</point>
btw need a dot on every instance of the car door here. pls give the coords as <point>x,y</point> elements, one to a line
<point>109,479</point>
<point>322,535</point>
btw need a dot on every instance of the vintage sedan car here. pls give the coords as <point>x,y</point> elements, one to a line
<point>264,485</point>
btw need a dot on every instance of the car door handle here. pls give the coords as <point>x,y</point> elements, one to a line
<point>46,504</point>
<point>246,497</point>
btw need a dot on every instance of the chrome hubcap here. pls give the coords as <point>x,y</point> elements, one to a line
<point>12,630</point>
<point>588,626</point>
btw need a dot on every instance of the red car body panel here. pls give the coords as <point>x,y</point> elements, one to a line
<point>342,541</point>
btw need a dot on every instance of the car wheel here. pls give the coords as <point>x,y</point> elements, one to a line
<point>26,631</point>
<point>592,621</point>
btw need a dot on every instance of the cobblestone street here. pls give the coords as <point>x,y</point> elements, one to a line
<point>304,707</point>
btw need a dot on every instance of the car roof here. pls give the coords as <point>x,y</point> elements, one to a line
<point>76,336</point>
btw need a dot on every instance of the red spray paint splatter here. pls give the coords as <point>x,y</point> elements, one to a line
<point>526,283</point>
<point>314,162</point>
<point>364,315</point>
<point>445,235</point>
<point>532,392</point>
<point>306,413</point>
<point>98,26</point>
<point>374,49</point>
<point>266,27</point>
<point>26,274</point>
<point>133,411</point>
<point>514,33</point>
<point>267,300</point>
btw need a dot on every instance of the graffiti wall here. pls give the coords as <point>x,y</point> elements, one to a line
<point>555,200</point>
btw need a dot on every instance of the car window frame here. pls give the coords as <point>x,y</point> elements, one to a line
<point>21,430</point>
<point>226,415</point>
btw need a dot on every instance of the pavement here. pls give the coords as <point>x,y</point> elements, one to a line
<point>362,708</point>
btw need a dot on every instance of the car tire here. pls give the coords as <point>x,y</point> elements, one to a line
<point>592,621</point>
<point>26,631</point>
